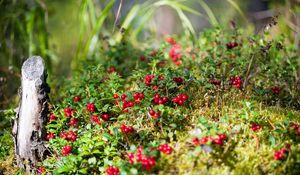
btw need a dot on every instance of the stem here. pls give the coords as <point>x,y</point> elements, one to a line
<point>248,71</point>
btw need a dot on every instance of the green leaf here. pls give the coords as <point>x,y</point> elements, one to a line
<point>272,140</point>
<point>92,161</point>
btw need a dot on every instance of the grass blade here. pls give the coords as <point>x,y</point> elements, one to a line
<point>210,14</point>
<point>93,39</point>
<point>237,7</point>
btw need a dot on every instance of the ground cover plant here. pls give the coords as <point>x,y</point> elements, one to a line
<point>219,104</point>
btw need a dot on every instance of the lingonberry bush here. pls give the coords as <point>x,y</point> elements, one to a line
<point>186,107</point>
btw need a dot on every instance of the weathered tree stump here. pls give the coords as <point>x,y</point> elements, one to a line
<point>29,125</point>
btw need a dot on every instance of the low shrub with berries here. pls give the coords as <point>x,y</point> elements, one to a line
<point>220,107</point>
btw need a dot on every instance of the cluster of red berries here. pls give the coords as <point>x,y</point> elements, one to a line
<point>76,99</point>
<point>180,99</point>
<point>154,114</point>
<point>126,104</point>
<point>165,148</point>
<point>170,40</point>
<point>40,170</point>
<point>50,136</point>
<point>280,154</point>
<point>201,141</point>
<point>147,161</point>
<point>111,70</point>
<point>218,140</point>
<point>255,126</point>
<point>236,81</point>
<point>178,80</point>
<point>215,82</point>
<point>112,170</point>
<point>160,100</point>
<point>91,107</point>
<point>69,112</point>
<point>148,79</point>
<point>231,45</point>
<point>138,97</point>
<point>126,129</point>
<point>73,121</point>
<point>95,118</point>
<point>69,136</point>
<point>52,117</point>
<point>175,54</point>
<point>276,89</point>
<point>66,150</point>
<point>296,127</point>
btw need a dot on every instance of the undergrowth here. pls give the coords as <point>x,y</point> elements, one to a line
<point>224,104</point>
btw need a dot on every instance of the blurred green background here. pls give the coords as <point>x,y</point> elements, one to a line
<point>66,33</point>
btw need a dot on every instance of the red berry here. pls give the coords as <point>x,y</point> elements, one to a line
<point>50,136</point>
<point>105,117</point>
<point>231,45</point>
<point>217,141</point>
<point>76,99</point>
<point>280,154</point>
<point>222,136</point>
<point>66,150</point>
<point>123,96</point>
<point>165,148</point>
<point>90,107</point>
<point>115,96</point>
<point>195,141</point>
<point>175,100</point>
<point>276,89</point>
<point>157,96</point>
<point>181,102</point>
<point>255,126</point>
<point>203,140</point>
<point>95,118</point>
<point>184,97</point>
<point>152,112</point>
<point>41,169</point>
<point>111,170</point>
<point>155,88</point>
<point>170,40</point>
<point>160,101</point>
<point>52,117</point>
<point>298,131</point>
<point>73,121</point>
<point>142,58</point>
<point>111,70</point>
<point>136,96</point>
<point>64,135</point>
<point>156,115</point>
<point>165,99</point>
<point>141,95</point>
<point>130,104</point>
<point>69,112</point>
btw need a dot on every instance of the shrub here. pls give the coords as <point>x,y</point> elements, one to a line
<point>183,108</point>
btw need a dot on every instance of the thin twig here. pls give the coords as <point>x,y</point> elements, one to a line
<point>248,71</point>
<point>271,124</point>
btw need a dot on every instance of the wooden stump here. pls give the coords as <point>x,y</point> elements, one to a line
<point>29,125</point>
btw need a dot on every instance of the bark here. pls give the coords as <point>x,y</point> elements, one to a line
<point>29,125</point>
